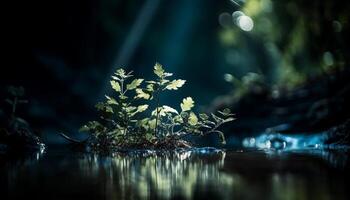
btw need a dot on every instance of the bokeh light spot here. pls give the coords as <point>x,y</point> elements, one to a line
<point>328,58</point>
<point>245,23</point>
<point>225,20</point>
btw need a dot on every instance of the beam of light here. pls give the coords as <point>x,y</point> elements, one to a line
<point>132,40</point>
<point>235,3</point>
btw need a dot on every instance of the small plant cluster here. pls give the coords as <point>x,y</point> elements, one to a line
<point>127,120</point>
<point>15,132</point>
<point>16,98</point>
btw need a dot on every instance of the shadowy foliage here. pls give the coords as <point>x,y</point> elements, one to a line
<point>16,132</point>
<point>128,121</point>
<point>251,83</point>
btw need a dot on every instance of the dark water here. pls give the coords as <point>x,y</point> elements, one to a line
<point>196,174</point>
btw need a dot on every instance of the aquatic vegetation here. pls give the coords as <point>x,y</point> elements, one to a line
<point>128,121</point>
<point>15,132</point>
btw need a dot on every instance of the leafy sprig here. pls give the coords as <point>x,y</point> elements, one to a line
<point>16,98</point>
<point>124,121</point>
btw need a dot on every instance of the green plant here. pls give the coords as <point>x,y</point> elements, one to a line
<point>17,94</point>
<point>124,121</point>
<point>248,84</point>
<point>16,97</point>
<point>15,132</point>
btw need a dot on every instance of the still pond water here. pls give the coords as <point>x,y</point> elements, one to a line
<point>203,173</point>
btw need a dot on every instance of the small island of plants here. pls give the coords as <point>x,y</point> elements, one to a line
<point>127,119</point>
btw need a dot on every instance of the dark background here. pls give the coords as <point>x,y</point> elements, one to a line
<point>64,52</point>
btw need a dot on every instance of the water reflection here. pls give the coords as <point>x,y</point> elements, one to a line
<point>164,176</point>
<point>203,173</point>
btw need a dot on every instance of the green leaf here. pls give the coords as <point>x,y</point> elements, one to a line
<point>216,118</point>
<point>175,84</point>
<point>116,86</point>
<point>84,128</point>
<point>116,78</point>
<point>166,74</point>
<point>134,84</point>
<point>141,108</point>
<point>226,112</point>
<point>92,125</point>
<point>142,123</point>
<point>203,116</point>
<point>168,109</point>
<point>123,97</point>
<point>192,119</point>
<point>109,109</point>
<point>208,122</point>
<point>111,101</point>
<point>140,94</point>
<point>152,124</point>
<point>150,136</point>
<point>130,109</point>
<point>229,119</point>
<point>178,119</point>
<point>205,126</point>
<point>120,72</point>
<point>222,137</point>
<point>16,91</point>
<point>163,110</point>
<point>100,106</point>
<point>116,133</point>
<point>121,75</point>
<point>158,70</point>
<point>150,87</point>
<point>9,101</point>
<point>104,107</point>
<point>187,104</point>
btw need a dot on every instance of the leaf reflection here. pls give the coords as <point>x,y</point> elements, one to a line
<point>164,176</point>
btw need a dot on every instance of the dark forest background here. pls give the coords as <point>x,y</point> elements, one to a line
<point>64,52</point>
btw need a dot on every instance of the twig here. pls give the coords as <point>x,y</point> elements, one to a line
<point>71,139</point>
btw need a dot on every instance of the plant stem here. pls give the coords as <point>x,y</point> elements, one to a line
<point>158,111</point>
<point>125,113</point>
<point>122,86</point>
<point>14,105</point>
<point>213,130</point>
<point>126,127</point>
